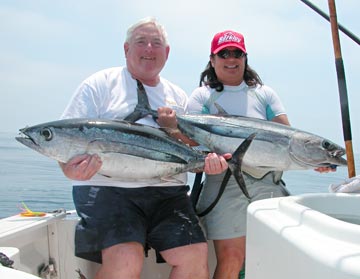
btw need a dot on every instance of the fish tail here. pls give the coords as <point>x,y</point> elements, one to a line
<point>235,164</point>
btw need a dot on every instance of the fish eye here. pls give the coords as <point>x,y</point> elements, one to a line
<point>46,133</point>
<point>326,144</point>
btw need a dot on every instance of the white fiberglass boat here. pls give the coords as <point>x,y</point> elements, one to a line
<point>308,236</point>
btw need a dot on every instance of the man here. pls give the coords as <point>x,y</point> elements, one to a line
<point>120,218</point>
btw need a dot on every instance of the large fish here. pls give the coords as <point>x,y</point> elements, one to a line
<point>128,151</point>
<point>276,147</point>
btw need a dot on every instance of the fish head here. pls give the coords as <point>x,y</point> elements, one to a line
<point>52,139</point>
<point>313,151</point>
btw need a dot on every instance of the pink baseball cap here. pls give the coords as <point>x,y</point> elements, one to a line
<point>226,39</point>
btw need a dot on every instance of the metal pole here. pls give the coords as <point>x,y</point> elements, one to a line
<point>342,89</point>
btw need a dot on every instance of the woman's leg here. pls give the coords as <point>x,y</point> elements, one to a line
<point>230,254</point>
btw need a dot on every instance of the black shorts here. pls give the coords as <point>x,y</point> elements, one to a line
<point>158,217</point>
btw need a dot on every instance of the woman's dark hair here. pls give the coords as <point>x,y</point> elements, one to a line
<point>208,77</point>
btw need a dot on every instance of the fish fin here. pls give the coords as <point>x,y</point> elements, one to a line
<point>143,107</point>
<point>134,116</point>
<point>241,182</point>
<point>221,110</point>
<point>236,161</point>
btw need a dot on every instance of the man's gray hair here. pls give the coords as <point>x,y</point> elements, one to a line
<point>145,21</point>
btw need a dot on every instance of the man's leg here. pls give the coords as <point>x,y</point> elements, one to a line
<point>122,261</point>
<point>188,262</point>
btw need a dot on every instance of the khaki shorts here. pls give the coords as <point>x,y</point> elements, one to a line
<point>228,218</point>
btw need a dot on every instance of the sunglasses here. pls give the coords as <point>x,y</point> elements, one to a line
<point>226,53</point>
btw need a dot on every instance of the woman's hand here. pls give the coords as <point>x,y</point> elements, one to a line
<point>81,167</point>
<point>326,169</point>
<point>216,164</point>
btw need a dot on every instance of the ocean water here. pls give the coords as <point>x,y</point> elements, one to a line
<point>29,177</point>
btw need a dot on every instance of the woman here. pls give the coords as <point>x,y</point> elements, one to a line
<point>229,81</point>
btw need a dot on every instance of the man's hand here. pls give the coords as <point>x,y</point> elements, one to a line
<point>81,167</point>
<point>167,118</point>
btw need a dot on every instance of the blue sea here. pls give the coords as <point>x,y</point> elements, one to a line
<point>29,177</point>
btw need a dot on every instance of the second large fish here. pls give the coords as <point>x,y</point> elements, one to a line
<point>276,147</point>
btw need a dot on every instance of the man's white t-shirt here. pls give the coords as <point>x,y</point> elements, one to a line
<point>112,94</point>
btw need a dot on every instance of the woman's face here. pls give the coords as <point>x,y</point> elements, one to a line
<point>229,65</point>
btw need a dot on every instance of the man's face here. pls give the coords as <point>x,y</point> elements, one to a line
<point>146,53</point>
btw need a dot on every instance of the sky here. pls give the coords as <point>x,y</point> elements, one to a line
<point>48,47</point>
